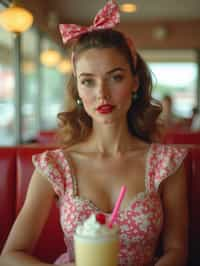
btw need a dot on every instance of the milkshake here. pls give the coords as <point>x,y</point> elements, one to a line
<point>95,243</point>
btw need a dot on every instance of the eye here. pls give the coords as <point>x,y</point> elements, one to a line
<point>117,77</point>
<point>88,82</point>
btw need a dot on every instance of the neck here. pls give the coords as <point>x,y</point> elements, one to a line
<point>111,140</point>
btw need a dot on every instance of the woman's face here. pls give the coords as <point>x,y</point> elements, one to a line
<point>105,84</point>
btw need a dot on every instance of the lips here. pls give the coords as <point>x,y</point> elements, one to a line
<point>105,109</point>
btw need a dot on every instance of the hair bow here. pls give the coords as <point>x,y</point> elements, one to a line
<point>106,18</point>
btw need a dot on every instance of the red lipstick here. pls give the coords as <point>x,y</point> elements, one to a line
<point>105,109</point>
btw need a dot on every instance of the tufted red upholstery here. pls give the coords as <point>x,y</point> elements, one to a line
<point>7,191</point>
<point>16,169</point>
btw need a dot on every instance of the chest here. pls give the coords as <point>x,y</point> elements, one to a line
<point>100,180</point>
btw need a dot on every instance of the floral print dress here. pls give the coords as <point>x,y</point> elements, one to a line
<point>140,222</point>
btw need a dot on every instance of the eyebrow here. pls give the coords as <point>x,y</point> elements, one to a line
<point>109,72</point>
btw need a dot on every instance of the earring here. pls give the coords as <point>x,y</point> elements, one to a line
<point>134,96</point>
<point>79,102</point>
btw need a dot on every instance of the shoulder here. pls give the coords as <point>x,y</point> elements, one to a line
<point>49,159</point>
<point>48,154</point>
<point>168,153</point>
<point>164,161</point>
<point>78,151</point>
<point>53,165</point>
<point>79,147</point>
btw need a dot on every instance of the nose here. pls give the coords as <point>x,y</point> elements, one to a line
<point>103,91</point>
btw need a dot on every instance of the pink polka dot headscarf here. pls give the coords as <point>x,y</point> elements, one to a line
<point>107,18</point>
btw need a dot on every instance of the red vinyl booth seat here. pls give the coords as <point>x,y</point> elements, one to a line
<point>16,170</point>
<point>7,191</point>
<point>193,174</point>
<point>182,138</point>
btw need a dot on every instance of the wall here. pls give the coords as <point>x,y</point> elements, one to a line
<point>176,35</point>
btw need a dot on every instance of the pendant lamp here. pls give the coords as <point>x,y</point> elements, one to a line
<point>16,19</point>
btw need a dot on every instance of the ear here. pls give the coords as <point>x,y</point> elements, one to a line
<point>135,84</point>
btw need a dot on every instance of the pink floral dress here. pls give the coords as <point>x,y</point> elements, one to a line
<point>140,222</point>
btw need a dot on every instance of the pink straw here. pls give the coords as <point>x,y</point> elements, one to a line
<point>117,206</point>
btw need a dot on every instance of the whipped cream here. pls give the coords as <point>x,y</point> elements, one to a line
<point>92,228</point>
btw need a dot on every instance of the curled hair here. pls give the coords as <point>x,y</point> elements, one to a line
<point>76,125</point>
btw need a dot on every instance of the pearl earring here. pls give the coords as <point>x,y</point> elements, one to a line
<point>79,101</point>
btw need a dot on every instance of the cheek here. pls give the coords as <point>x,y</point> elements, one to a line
<point>122,96</point>
<point>87,98</point>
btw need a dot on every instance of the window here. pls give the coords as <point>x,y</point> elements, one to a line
<point>53,87</point>
<point>30,87</point>
<point>7,94</point>
<point>179,80</point>
<point>175,73</point>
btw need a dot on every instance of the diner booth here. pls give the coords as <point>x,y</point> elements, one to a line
<point>33,91</point>
<point>16,168</point>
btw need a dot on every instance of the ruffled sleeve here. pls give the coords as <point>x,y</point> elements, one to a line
<point>50,165</point>
<point>165,160</point>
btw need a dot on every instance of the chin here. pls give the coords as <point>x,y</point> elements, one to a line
<point>107,121</point>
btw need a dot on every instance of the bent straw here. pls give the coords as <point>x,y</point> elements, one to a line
<point>117,206</point>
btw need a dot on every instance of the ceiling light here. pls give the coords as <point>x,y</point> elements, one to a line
<point>65,66</point>
<point>128,8</point>
<point>160,33</point>
<point>16,19</point>
<point>50,57</point>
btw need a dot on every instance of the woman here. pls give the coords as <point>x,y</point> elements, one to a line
<point>107,143</point>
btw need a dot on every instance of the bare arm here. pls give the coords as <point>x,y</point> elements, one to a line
<point>175,235</point>
<point>30,221</point>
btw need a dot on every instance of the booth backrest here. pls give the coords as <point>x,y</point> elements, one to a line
<point>193,175</point>
<point>7,191</point>
<point>182,138</point>
<point>16,170</point>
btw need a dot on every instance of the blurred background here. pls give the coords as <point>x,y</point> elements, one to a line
<point>35,65</point>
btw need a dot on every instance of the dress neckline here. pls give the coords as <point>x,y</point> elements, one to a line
<point>75,195</point>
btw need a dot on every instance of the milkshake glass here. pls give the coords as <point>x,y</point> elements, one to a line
<point>96,244</point>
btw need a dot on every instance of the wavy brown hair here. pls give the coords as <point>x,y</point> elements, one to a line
<point>76,125</point>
